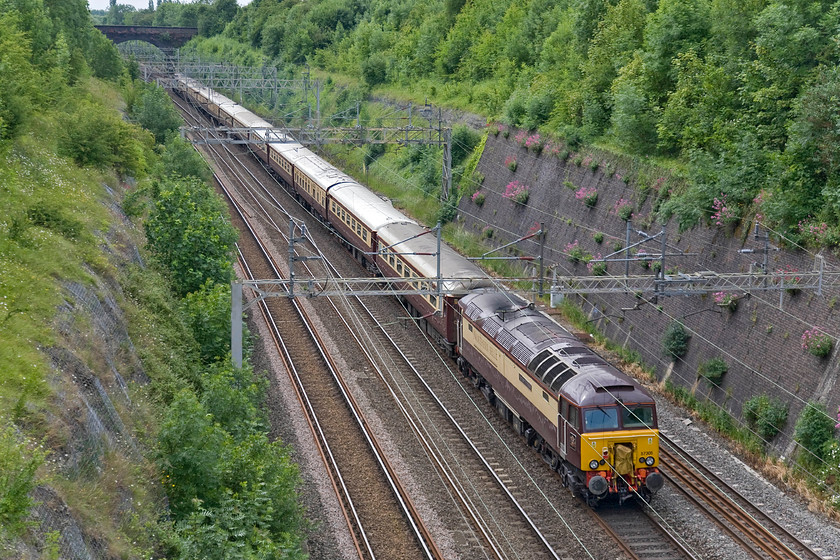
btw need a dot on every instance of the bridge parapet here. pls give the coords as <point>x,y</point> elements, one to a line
<point>161,37</point>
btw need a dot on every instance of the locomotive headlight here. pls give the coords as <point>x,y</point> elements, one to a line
<point>650,461</point>
<point>593,464</point>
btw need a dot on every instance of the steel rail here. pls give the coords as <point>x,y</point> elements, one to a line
<point>758,537</point>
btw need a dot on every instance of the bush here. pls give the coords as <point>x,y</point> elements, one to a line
<point>207,312</point>
<point>817,342</point>
<point>814,430</point>
<point>765,415</point>
<point>156,113</point>
<point>17,478</point>
<point>675,340</point>
<point>189,235</point>
<point>598,237</point>
<point>375,69</point>
<point>713,370</point>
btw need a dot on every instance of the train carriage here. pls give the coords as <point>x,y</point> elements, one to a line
<point>590,422</point>
<point>282,157</point>
<point>313,177</point>
<point>357,214</point>
<point>415,259</point>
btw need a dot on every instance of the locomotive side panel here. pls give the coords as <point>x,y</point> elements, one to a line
<point>510,382</point>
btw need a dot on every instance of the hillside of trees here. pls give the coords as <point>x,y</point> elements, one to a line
<point>737,97</point>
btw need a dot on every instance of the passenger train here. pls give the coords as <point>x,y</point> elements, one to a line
<point>591,423</point>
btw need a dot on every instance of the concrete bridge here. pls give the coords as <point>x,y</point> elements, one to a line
<point>161,37</point>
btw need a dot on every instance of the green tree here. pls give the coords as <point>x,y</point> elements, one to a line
<point>189,451</point>
<point>234,397</point>
<point>180,158</point>
<point>207,311</point>
<point>189,234</point>
<point>676,27</point>
<point>156,113</point>
<point>93,136</point>
<point>619,34</point>
<point>103,57</point>
<point>814,431</point>
<point>19,79</point>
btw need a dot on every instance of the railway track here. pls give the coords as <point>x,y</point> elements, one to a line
<point>643,536</point>
<point>487,532</point>
<point>488,527</point>
<point>759,534</point>
<point>381,516</point>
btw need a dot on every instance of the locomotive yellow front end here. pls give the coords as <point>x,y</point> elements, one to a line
<point>620,451</point>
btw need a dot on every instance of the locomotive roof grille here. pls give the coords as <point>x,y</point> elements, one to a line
<point>561,380</point>
<point>491,326</point>
<point>539,331</point>
<point>613,388</point>
<point>522,353</point>
<point>551,369</point>
<point>473,311</point>
<point>506,339</point>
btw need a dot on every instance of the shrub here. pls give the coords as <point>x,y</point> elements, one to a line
<point>534,143</point>
<point>713,370</point>
<point>813,431</point>
<point>598,237</point>
<point>18,463</point>
<point>478,198</point>
<point>817,342</point>
<point>597,268</point>
<point>724,213</point>
<point>189,235</point>
<point>623,208</point>
<point>675,340</point>
<point>727,300</point>
<point>510,163</point>
<point>589,196</point>
<point>593,165</point>
<point>569,185</point>
<point>765,415</point>
<point>207,312</point>
<point>517,192</point>
<point>575,253</point>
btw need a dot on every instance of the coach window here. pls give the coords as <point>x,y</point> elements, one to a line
<point>399,268</point>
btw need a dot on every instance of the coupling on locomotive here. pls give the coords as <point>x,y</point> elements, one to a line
<point>594,425</point>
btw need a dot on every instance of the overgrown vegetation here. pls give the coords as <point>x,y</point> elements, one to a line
<point>766,415</point>
<point>664,79</point>
<point>814,432</point>
<point>675,340</point>
<point>713,370</point>
<point>63,146</point>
